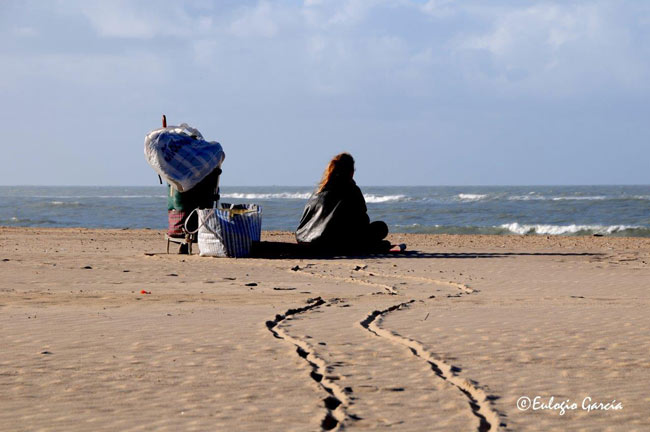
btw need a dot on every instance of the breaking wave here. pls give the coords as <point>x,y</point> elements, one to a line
<point>65,204</point>
<point>97,196</point>
<point>471,197</point>
<point>383,198</point>
<point>527,198</point>
<point>304,195</point>
<point>567,229</point>
<point>579,198</point>
<point>576,198</point>
<point>523,229</point>
<point>281,195</point>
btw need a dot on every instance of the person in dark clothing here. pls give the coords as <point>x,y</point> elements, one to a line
<point>181,204</point>
<point>202,195</point>
<point>335,219</point>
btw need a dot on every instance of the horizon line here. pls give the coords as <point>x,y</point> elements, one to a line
<point>361,185</point>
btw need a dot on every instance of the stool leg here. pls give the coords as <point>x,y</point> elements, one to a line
<point>167,246</point>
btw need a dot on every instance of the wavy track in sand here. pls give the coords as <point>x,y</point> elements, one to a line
<point>478,401</point>
<point>388,288</point>
<point>462,287</point>
<point>336,402</point>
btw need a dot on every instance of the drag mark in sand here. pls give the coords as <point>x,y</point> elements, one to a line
<point>388,288</point>
<point>477,399</point>
<point>462,287</point>
<point>336,402</point>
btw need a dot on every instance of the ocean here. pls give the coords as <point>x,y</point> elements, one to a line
<point>500,210</point>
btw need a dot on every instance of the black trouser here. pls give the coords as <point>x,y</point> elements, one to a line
<point>377,231</point>
<point>369,240</point>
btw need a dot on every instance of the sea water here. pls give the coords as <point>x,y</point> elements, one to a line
<point>547,210</point>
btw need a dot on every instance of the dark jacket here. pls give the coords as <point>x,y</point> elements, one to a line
<point>335,217</point>
<point>200,196</point>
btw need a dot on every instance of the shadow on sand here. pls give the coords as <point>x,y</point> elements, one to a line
<point>285,250</point>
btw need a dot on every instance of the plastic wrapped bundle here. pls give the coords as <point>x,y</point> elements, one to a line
<point>181,156</point>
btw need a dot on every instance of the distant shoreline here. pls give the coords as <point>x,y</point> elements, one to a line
<point>362,185</point>
<point>490,240</point>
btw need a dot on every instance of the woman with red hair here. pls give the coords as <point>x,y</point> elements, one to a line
<point>335,218</point>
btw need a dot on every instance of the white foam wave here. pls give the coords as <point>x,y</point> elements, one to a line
<point>471,197</point>
<point>564,229</point>
<point>127,196</point>
<point>281,195</point>
<point>383,198</point>
<point>64,203</point>
<point>99,196</point>
<point>579,198</point>
<point>556,198</point>
<point>527,198</point>
<point>304,195</point>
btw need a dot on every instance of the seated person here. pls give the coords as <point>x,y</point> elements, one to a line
<point>181,204</point>
<point>335,218</point>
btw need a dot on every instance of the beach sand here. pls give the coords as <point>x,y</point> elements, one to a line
<point>445,339</point>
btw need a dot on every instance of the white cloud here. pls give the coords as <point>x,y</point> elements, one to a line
<point>126,19</point>
<point>255,22</point>
<point>536,27</point>
<point>340,46</point>
<point>439,8</point>
<point>352,11</point>
<point>555,48</point>
<point>325,15</point>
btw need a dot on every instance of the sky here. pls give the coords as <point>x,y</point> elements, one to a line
<point>436,92</point>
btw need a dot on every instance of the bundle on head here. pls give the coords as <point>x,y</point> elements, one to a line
<point>339,170</point>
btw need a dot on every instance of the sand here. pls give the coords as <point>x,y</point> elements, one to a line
<point>448,339</point>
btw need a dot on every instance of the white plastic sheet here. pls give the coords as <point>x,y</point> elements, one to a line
<point>181,156</point>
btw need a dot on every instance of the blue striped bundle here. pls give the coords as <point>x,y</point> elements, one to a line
<point>181,156</point>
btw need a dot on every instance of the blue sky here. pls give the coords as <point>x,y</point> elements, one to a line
<point>420,92</point>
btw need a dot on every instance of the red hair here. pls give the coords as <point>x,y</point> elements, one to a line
<point>341,167</point>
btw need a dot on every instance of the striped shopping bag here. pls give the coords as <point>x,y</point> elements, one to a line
<point>241,225</point>
<point>229,229</point>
